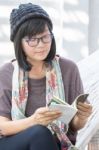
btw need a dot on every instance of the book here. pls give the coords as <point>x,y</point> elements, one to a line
<point>68,111</point>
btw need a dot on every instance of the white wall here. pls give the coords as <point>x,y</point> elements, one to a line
<point>93,25</point>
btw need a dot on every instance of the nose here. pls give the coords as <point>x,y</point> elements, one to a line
<point>40,43</point>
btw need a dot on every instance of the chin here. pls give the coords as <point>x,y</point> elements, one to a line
<point>42,56</point>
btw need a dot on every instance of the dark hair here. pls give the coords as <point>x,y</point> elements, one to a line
<point>29,28</point>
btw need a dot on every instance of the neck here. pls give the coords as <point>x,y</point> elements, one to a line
<point>38,69</point>
<point>35,64</point>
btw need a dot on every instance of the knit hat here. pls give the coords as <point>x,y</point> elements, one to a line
<point>23,13</point>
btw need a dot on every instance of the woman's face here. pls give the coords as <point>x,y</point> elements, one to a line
<point>37,48</point>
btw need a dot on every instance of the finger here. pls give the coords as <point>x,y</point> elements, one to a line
<point>84,107</point>
<point>47,120</point>
<point>81,113</point>
<point>50,119</point>
<point>46,110</point>
<point>42,110</point>
<point>51,116</point>
<point>50,113</point>
<point>84,104</point>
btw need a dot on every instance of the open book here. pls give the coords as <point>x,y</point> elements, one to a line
<point>68,111</point>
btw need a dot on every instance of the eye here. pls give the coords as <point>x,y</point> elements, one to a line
<point>33,39</point>
<point>47,36</point>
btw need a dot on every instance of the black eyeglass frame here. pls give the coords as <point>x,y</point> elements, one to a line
<point>28,40</point>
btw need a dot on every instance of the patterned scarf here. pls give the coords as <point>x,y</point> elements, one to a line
<point>54,86</point>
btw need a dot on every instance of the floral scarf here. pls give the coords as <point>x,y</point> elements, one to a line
<point>54,86</point>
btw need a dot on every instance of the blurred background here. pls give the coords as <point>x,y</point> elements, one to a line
<point>76,26</point>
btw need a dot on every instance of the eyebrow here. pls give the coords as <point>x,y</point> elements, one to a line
<point>45,33</point>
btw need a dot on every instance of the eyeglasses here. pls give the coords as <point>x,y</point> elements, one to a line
<point>33,42</point>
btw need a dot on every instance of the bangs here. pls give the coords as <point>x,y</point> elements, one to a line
<point>33,27</point>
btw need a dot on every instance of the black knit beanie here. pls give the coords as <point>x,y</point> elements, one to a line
<point>23,13</point>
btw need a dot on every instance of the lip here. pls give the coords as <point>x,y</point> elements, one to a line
<point>41,52</point>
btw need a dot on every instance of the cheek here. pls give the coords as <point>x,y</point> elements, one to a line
<point>27,50</point>
<point>24,46</point>
<point>48,46</point>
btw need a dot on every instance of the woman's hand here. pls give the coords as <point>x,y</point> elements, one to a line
<point>81,117</point>
<point>45,116</point>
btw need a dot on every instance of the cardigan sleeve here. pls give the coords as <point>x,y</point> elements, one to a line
<point>5,90</point>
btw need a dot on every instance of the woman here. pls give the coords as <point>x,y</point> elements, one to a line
<point>28,83</point>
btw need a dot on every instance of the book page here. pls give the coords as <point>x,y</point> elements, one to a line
<point>89,70</point>
<point>68,112</point>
